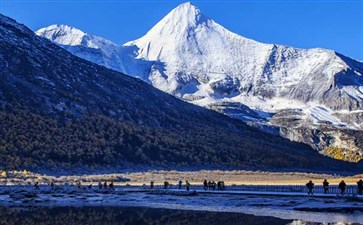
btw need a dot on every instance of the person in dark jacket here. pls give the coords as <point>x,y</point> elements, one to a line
<point>166,185</point>
<point>111,186</point>
<point>342,186</point>
<point>326,186</point>
<point>105,185</point>
<point>205,183</point>
<point>310,186</point>
<point>180,184</point>
<point>187,185</point>
<point>360,187</point>
<point>79,185</point>
<point>214,185</point>
<point>36,185</point>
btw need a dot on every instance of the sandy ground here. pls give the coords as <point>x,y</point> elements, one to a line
<point>234,177</point>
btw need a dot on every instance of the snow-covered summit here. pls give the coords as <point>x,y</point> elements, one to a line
<point>71,36</point>
<point>203,60</point>
<point>184,16</point>
<point>189,55</point>
<point>178,27</point>
<point>175,25</point>
<point>93,48</point>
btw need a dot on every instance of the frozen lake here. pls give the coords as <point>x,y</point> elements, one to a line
<point>288,208</point>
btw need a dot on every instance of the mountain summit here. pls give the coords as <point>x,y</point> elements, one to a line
<point>310,95</point>
<point>194,52</point>
<point>180,19</point>
<point>203,60</point>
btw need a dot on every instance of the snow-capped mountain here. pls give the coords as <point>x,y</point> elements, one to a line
<point>97,49</point>
<point>61,111</point>
<point>187,54</point>
<point>90,47</point>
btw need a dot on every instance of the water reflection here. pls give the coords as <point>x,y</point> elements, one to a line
<point>132,215</point>
<point>301,222</point>
<point>126,216</point>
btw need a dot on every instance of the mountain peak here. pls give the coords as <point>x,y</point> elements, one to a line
<point>62,34</point>
<point>173,30</point>
<point>185,14</point>
<point>186,9</point>
<point>71,36</point>
<point>179,20</point>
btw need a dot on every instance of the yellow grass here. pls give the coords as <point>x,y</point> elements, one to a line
<point>233,177</point>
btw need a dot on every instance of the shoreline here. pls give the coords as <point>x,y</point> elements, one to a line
<point>232,177</point>
<point>308,208</point>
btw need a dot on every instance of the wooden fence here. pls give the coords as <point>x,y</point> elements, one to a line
<point>333,189</point>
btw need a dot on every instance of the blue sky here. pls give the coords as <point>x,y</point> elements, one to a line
<point>334,24</point>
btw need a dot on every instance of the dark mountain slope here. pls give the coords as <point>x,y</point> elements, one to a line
<point>60,110</point>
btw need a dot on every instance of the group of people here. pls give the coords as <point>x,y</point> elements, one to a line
<point>211,185</point>
<point>105,185</point>
<point>167,185</point>
<point>208,185</point>
<point>342,187</point>
<point>187,185</point>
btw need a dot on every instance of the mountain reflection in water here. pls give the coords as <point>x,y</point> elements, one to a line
<point>126,215</point>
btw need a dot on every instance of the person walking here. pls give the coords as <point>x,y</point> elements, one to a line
<point>222,185</point>
<point>111,186</point>
<point>180,184</point>
<point>205,184</point>
<point>187,185</point>
<point>166,185</point>
<point>360,187</point>
<point>99,185</point>
<point>151,184</point>
<point>310,186</point>
<point>36,185</point>
<point>325,186</point>
<point>213,185</point>
<point>79,185</point>
<point>342,186</point>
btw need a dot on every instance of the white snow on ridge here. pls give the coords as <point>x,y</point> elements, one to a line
<point>71,36</point>
<point>355,92</point>
<point>320,113</point>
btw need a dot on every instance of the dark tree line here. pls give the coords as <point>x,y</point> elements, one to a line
<point>31,140</point>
